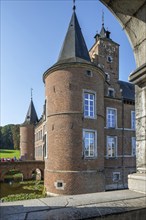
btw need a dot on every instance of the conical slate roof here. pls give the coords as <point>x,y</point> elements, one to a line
<point>31,116</point>
<point>74,47</point>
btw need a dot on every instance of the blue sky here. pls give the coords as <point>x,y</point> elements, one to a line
<point>32,33</point>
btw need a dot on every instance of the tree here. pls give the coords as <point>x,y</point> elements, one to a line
<point>16,136</point>
<point>9,137</point>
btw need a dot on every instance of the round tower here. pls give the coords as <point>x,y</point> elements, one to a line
<point>27,134</point>
<point>74,119</point>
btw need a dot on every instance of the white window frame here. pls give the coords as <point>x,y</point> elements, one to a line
<point>89,116</point>
<point>107,75</point>
<point>107,123</point>
<point>133,146</point>
<point>133,120</point>
<point>57,183</point>
<point>95,144</point>
<point>107,147</point>
<point>46,156</point>
<point>116,179</point>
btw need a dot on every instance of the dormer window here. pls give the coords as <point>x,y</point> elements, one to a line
<point>109,59</point>
<point>107,77</point>
<point>111,92</point>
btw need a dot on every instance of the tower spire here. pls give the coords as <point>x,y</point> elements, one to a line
<point>74,47</point>
<point>74,6</point>
<point>31,93</point>
<point>102,18</point>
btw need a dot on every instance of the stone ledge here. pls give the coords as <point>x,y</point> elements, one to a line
<point>137,182</point>
<point>137,176</point>
<point>97,205</point>
<point>138,77</point>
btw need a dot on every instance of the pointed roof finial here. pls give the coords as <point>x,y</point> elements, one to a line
<point>102,18</point>
<point>31,93</point>
<point>74,6</point>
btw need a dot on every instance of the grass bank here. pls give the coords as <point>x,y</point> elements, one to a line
<point>22,191</point>
<point>4,153</point>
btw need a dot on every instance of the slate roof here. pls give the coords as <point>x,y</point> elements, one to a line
<point>31,116</point>
<point>102,32</point>
<point>74,48</point>
<point>128,90</point>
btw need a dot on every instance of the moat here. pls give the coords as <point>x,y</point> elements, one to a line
<point>21,190</point>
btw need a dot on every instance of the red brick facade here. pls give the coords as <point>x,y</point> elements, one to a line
<point>64,131</point>
<point>65,124</point>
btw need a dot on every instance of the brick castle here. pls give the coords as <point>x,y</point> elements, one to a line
<point>86,135</point>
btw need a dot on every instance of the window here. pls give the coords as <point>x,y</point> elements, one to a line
<point>38,151</point>
<point>111,146</point>
<point>133,146</point>
<point>90,143</point>
<point>89,105</point>
<point>107,77</point>
<point>45,145</point>
<point>45,107</point>
<point>116,176</point>
<point>89,73</point>
<point>111,117</point>
<point>109,59</point>
<point>111,92</point>
<point>133,119</point>
<point>59,184</point>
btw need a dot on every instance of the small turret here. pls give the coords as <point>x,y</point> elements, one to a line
<point>27,133</point>
<point>31,116</point>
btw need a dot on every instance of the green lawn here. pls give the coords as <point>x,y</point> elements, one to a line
<point>9,153</point>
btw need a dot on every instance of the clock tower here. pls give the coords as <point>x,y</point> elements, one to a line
<point>105,54</point>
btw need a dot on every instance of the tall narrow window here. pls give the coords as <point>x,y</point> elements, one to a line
<point>89,105</point>
<point>111,92</point>
<point>111,146</point>
<point>111,117</point>
<point>133,119</point>
<point>90,143</point>
<point>45,145</point>
<point>133,141</point>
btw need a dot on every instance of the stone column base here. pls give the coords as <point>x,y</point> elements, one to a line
<point>137,182</point>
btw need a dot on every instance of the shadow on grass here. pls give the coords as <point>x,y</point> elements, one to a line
<point>7,151</point>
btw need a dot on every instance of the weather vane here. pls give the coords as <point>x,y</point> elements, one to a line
<point>31,93</point>
<point>74,6</point>
<point>102,17</point>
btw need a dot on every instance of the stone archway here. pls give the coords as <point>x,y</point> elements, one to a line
<point>132,17</point>
<point>36,174</point>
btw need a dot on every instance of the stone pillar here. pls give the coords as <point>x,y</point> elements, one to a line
<point>137,181</point>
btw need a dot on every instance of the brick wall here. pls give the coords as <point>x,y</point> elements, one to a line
<point>27,142</point>
<point>65,124</point>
